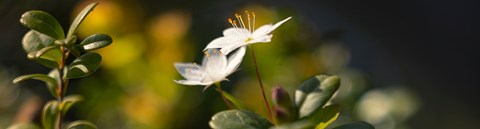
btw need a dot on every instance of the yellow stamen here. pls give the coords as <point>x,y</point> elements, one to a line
<point>231,22</point>
<point>235,23</point>
<point>253,26</point>
<point>240,20</point>
<point>248,18</point>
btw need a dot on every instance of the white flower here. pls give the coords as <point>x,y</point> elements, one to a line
<point>242,34</point>
<point>215,68</point>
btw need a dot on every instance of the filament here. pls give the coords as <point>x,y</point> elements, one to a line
<point>249,25</point>
<point>253,26</point>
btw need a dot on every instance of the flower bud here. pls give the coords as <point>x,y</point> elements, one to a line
<point>282,115</point>
<point>284,111</point>
<point>281,98</point>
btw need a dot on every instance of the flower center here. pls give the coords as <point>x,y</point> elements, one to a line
<point>248,39</point>
<point>250,26</point>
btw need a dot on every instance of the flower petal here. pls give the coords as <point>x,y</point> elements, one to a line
<point>262,39</point>
<point>214,62</point>
<point>219,42</point>
<point>190,71</point>
<point>236,32</point>
<point>190,82</point>
<point>235,60</point>
<point>266,29</point>
<point>262,30</point>
<point>225,42</point>
<point>280,23</point>
<point>226,50</point>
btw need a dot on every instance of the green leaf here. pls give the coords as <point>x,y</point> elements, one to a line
<point>356,125</point>
<point>80,17</point>
<point>50,115</point>
<point>24,126</point>
<point>39,53</point>
<point>43,23</point>
<point>238,119</point>
<point>95,41</point>
<point>54,74</point>
<point>34,41</point>
<point>325,116</point>
<point>300,124</point>
<point>84,65</point>
<point>41,48</point>
<point>314,93</point>
<point>68,102</point>
<point>50,82</point>
<point>81,124</point>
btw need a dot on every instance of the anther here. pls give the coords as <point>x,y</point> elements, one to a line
<point>235,23</point>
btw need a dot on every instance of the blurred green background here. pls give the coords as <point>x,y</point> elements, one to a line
<point>404,65</point>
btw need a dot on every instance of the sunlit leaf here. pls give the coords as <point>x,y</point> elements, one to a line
<point>238,119</point>
<point>355,125</point>
<point>84,65</point>
<point>50,115</point>
<point>54,74</point>
<point>24,126</point>
<point>95,41</point>
<point>80,17</point>
<point>71,40</point>
<point>81,124</point>
<point>49,81</point>
<point>41,48</point>
<point>314,93</point>
<point>43,23</point>
<point>68,102</point>
<point>34,41</point>
<point>325,116</point>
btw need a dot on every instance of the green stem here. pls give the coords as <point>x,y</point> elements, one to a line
<point>267,105</point>
<point>234,100</point>
<point>219,89</point>
<point>62,83</point>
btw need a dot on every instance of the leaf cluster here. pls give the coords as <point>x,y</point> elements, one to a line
<point>47,44</point>
<point>309,110</point>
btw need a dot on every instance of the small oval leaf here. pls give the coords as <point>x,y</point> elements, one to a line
<point>43,23</point>
<point>34,41</point>
<point>50,115</point>
<point>238,119</point>
<point>68,102</point>
<point>325,116</point>
<point>24,126</point>
<point>81,124</point>
<point>95,41</point>
<point>84,65</point>
<point>50,82</point>
<point>314,93</point>
<point>80,16</point>
<point>41,49</point>
<point>356,125</point>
